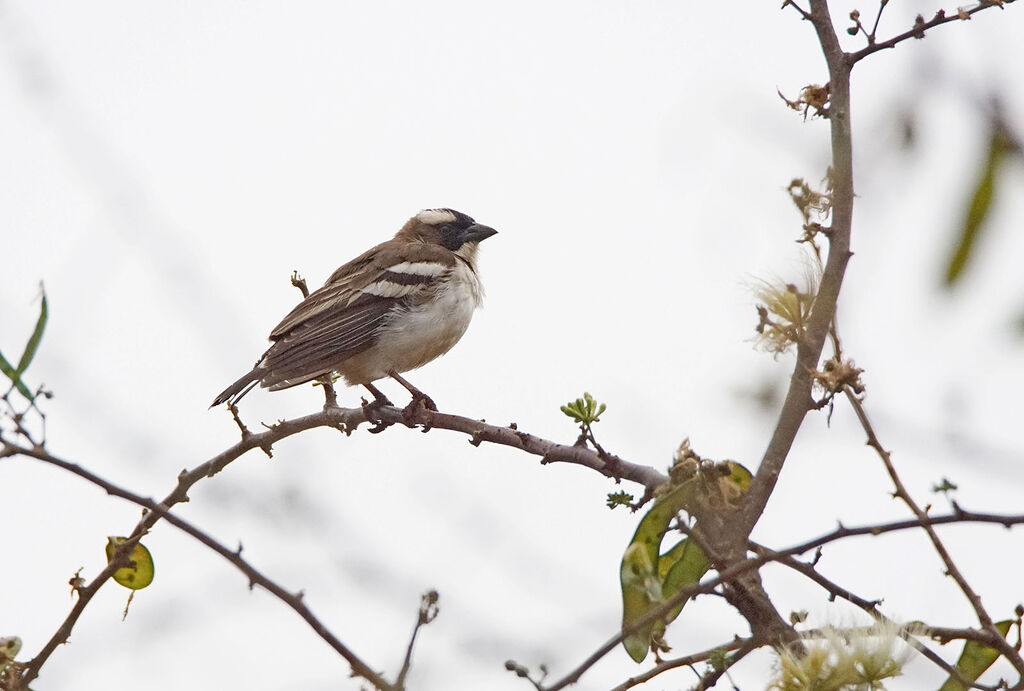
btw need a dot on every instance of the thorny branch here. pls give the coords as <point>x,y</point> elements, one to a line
<point>739,649</point>
<point>798,400</point>
<point>284,429</point>
<point>994,638</point>
<point>920,27</point>
<point>871,607</point>
<point>765,556</point>
<point>797,404</point>
<point>345,420</point>
<point>156,512</point>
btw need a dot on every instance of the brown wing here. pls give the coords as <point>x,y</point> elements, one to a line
<point>344,316</point>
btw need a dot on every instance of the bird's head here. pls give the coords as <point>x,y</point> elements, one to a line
<point>446,227</point>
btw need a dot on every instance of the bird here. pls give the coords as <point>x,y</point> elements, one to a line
<point>392,309</point>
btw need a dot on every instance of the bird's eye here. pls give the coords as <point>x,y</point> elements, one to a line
<point>451,236</point>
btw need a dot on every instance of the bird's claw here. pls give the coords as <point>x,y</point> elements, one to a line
<point>372,412</point>
<point>412,412</point>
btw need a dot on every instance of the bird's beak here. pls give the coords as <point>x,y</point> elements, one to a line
<point>478,232</point>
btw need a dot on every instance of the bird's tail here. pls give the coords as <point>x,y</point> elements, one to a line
<point>238,389</point>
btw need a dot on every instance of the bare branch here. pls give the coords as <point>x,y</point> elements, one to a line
<point>995,639</point>
<point>743,645</point>
<point>85,594</point>
<point>803,13</point>
<point>428,612</point>
<point>607,464</point>
<point>798,400</point>
<point>766,556</point>
<point>921,26</point>
<point>157,512</point>
<point>709,586</point>
<point>960,516</point>
<point>872,608</point>
<point>346,420</point>
<point>808,570</point>
<point>349,419</point>
<point>711,677</point>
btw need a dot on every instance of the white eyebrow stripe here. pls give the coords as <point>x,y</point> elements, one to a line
<point>387,289</point>
<point>419,268</point>
<point>435,216</point>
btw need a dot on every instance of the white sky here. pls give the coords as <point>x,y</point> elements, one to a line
<point>165,166</point>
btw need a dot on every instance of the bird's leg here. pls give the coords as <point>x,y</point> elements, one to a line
<point>417,396</point>
<point>372,410</point>
<point>379,399</point>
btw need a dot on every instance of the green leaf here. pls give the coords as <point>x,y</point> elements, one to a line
<point>641,592</point>
<point>975,659</point>
<point>640,572</point>
<point>33,342</point>
<point>981,203</point>
<point>140,574</point>
<point>680,567</point>
<point>14,373</point>
<point>650,578</point>
<point>584,410</point>
<point>616,499</point>
<point>15,378</point>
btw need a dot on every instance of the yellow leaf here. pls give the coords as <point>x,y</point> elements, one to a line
<point>140,574</point>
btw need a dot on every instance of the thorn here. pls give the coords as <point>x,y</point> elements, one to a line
<point>344,428</point>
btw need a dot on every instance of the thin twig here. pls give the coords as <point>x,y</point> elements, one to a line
<point>85,593</point>
<point>349,419</point>
<point>878,18</point>
<point>803,13</point>
<point>921,26</point>
<point>996,639</point>
<point>428,612</point>
<point>961,516</point>
<point>711,677</point>
<point>736,569</point>
<point>808,570</point>
<point>157,511</point>
<point>871,607</point>
<point>686,661</point>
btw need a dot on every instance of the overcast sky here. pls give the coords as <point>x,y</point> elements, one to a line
<point>166,166</point>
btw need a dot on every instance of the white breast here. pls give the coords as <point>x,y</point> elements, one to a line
<point>414,337</point>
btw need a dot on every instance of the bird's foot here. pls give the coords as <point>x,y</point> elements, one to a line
<point>372,412</point>
<point>414,412</point>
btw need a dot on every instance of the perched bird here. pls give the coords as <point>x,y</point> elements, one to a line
<point>388,311</point>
